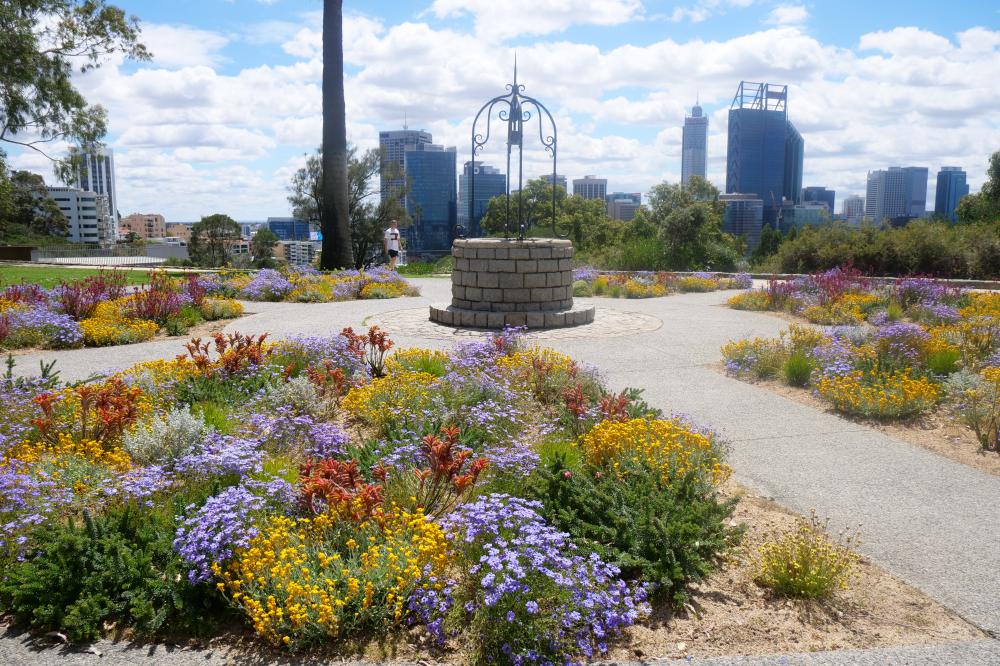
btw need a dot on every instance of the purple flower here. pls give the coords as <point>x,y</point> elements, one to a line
<point>267,285</point>
<point>226,522</point>
<point>221,455</point>
<point>585,273</point>
<point>742,281</point>
<point>514,548</point>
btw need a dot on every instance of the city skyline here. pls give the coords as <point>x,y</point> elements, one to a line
<point>229,106</point>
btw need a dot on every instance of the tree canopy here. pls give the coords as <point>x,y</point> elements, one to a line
<point>368,219</point>
<point>984,206</point>
<point>210,238</point>
<point>41,42</point>
<point>27,212</point>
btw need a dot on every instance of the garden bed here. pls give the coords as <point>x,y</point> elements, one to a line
<point>915,357</point>
<point>491,504</point>
<point>940,431</point>
<point>650,284</point>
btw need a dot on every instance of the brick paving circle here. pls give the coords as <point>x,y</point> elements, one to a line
<point>608,323</point>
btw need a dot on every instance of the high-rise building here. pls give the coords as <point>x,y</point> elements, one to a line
<point>808,213</point>
<point>560,180</point>
<point>143,225</point>
<point>854,209</point>
<point>951,187</point>
<point>88,214</point>
<point>393,145</point>
<point>822,194</point>
<point>896,194</point>
<point>489,183</point>
<point>694,145</point>
<point>432,202</point>
<point>289,228</point>
<point>95,172</point>
<point>765,152</point>
<point>744,216</point>
<point>623,205</point>
<point>591,187</point>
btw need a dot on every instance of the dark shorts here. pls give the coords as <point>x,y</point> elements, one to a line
<point>393,253</point>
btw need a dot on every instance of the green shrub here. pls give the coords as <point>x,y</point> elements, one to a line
<point>644,254</point>
<point>119,567</point>
<point>582,288</point>
<point>806,563</point>
<point>894,311</point>
<point>797,369</point>
<point>944,362</point>
<point>670,535</point>
<point>220,308</point>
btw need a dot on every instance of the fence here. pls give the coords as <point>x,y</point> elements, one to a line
<point>118,255</point>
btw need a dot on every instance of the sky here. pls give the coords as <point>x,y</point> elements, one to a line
<point>230,105</point>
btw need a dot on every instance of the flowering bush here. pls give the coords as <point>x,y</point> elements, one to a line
<point>645,284</point>
<point>530,597</point>
<point>805,562</point>
<point>879,394</point>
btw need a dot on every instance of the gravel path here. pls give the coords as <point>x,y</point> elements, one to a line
<point>931,522</point>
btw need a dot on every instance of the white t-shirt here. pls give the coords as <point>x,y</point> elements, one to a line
<point>392,238</point>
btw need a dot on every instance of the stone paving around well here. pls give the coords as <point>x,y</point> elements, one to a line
<point>931,522</point>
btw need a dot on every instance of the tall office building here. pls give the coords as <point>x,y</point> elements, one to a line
<point>821,194</point>
<point>623,205</point>
<point>744,216</point>
<point>694,145</point>
<point>393,145</point>
<point>560,180</point>
<point>591,187</point>
<point>896,194</point>
<point>489,183</point>
<point>95,172</point>
<point>287,228</point>
<point>765,152</point>
<point>432,202</point>
<point>854,209</point>
<point>807,213</point>
<point>951,187</point>
<point>88,214</point>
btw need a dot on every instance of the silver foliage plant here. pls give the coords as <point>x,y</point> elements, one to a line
<point>166,436</point>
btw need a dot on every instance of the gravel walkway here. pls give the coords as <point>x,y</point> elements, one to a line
<point>931,522</point>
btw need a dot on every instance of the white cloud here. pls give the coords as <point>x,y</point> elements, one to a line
<point>788,15</point>
<point>704,9</point>
<point>182,46</point>
<point>192,138</point>
<point>500,20</point>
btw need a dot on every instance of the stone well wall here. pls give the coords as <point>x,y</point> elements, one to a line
<point>498,282</point>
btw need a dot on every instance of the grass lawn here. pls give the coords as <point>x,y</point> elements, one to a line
<point>50,276</point>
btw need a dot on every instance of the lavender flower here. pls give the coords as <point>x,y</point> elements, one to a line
<point>267,285</point>
<point>513,550</point>
<point>38,325</point>
<point>585,273</point>
<point>742,281</point>
<point>220,455</point>
<point>225,523</point>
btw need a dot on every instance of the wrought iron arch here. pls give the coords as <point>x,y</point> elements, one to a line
<point>512,112</point>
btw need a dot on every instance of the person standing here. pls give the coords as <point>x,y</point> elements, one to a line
<point>392,244</point>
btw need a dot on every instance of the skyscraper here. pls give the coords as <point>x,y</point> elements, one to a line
<point>854,209</point>
<point>896,194</point>
<point>822,194</point>
<point>393,145</point>
<point>560,180</point>
<point>951,187</point>
<point>432,202</point>
<point>744,216</point>
<point>95,172</point>
<point>765,152</point>
<point>591,187</point>
<point>489,183</point>
<point>694,145</point>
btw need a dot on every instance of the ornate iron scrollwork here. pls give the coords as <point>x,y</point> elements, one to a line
<point>512,112</point>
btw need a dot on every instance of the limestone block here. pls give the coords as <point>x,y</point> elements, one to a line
<point>541,253</point>
<point>516,295</point>
<point>488,280</point>
<point>543,294</point>
<point>473,294</point>
<point>494,319</point>
<point>565,264</point>
<point>555,319</point>
<point>548,265</point>
<point>527,266</point>
<point>493,295</point>
<point>535,320</point>
<point>519,253</point>
<point>502,266</point>
<point>486,253</point>
<point>511,280</point>
<point>533,280</point>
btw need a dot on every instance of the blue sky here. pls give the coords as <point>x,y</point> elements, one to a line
<point>225,112</point>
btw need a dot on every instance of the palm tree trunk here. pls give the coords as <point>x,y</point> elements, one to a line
<point>336,223</point>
